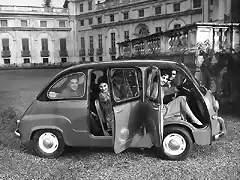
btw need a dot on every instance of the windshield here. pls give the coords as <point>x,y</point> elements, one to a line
<point>196,82</point>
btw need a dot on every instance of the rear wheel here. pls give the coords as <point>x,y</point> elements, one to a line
<point>48,143</point>
<point>177,143</point>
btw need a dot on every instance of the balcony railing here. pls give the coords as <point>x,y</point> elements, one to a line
<point>112,50</point>
<point>82,52</point>
<point>44,53</point>
<point>63,53</point>
<point>26,53</point>
<point>99,51</point>
<point>6,53</point>
<point>91,52</point>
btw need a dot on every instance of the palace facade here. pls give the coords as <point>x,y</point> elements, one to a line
<point>34,35</point>
<point>85,30</point>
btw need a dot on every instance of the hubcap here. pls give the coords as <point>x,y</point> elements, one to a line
<point>48,142</point>
<point>174,144</point>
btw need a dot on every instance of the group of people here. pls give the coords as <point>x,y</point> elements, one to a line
<point>177,105</point>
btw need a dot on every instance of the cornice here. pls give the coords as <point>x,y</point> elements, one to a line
<point>150,18</point>
<point>33,29</point>
<point>12,14</point>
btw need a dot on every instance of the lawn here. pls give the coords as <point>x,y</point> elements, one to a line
<point>19,87</point>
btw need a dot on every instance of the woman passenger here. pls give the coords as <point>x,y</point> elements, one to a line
<point>178,106</point>
<point>105,103</point>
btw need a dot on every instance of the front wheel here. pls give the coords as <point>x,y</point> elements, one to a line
<point>48,143</point>
<point>177,143</point>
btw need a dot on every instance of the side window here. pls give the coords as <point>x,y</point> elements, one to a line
<point>124,84</point>
<point>152,83</point>
<point>71,86</point>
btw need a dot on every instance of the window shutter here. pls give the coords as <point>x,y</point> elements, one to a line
<point>63,44</point>
<point>5,44</point>
<point>25,44</point>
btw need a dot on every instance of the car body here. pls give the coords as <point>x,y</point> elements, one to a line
<point>52,122</point>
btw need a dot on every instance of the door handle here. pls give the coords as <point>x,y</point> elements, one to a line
<point>156,108</point>
<point>118,111</point>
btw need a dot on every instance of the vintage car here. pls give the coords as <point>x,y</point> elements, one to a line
<point>59,118</point>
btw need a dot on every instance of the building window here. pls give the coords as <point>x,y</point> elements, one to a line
<point>113,41</point>
<point>176,7</point>
<point>63,60</point>
<point>5,44</point>
<point>99,19</point>
<point>45,60</point>
<point>89,5</point>
<point>197,3</point>
<point>177,26</point>
<point>82,22</point>
<point>26,60</point>
<point>63,44</point>
<point>90,21</point>
<point>126,35</point>
<point>91,42</point>
<point>158,29</point>
<point>43,23</point>
<point>125,15</point>
<point>111,17</point>
<point>24,23</point>
<point>62,23</point>
<point>4,23</point>
<point>211,2</point>
<point>82,43</point>
<point>25,44</point>
<point>141,13</point>
<point>91,58</point>
<point>158,10</point>
<point>81,7</point>
<point>83,59</point>
<point>44,44</point>
<point>6,61</point>
<point>100,41</point>
<point>100,58</point>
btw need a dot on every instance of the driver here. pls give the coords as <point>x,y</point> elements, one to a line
<point>178,106</point>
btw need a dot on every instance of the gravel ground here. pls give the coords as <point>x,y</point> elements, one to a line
<point>219,161</point>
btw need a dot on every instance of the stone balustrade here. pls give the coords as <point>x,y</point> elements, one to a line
<point>187,38</point>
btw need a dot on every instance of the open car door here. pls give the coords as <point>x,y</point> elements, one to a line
<point>127,124</point>
<point>153,105</point>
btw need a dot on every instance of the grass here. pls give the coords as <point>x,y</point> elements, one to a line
<point>19,87</point>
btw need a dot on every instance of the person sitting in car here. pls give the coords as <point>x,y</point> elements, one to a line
<point>177,106</point>
<point>171,82</point>
<point>72,87</point>
<point>105,102</point>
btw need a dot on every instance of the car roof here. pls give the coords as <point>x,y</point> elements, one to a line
<point>122,63</point>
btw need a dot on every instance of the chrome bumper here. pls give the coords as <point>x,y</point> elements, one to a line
<point>16,132</point>
<point>223,130</point>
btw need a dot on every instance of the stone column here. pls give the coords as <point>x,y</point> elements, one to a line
<point>205,10</point>
<point>221,10</point>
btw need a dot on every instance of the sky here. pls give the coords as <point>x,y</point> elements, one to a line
<point>55,3</point>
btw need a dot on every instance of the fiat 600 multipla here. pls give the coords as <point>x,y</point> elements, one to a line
<point>122,104</point>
